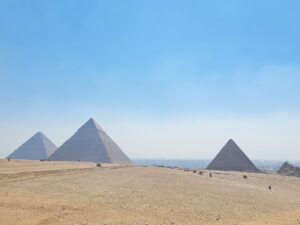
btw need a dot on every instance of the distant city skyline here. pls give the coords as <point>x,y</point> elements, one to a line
<point>165,79</point>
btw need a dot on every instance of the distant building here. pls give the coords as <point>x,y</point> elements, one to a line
<point>232,158</point>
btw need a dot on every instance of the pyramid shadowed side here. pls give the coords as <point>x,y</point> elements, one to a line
<point>232,158</point>
<point>35,148</point>
<point>91,144</point>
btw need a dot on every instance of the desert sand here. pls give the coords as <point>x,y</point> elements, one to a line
<point>34,192</point>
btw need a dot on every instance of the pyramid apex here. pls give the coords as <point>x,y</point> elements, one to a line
<point>285,164</point>
<point>39,133</point>
<point>92,119</point>
<point>231,141</point>
<point>91,123</point>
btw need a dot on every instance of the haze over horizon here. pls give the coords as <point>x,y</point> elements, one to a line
<point>171,79</point>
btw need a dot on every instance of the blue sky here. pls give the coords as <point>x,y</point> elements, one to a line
<point>134,65</point>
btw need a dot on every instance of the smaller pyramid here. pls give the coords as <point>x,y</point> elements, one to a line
<point>36,148</point>
<point>90,144</point>
<point>232,158</point>
<point>289,170</point>
<point>285,166</point>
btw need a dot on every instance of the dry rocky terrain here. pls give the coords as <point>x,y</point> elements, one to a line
<point>34,192</point>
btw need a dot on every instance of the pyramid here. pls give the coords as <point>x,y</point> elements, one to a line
<point>289,170</point>
<point>36,148</point>
<point>232,158</point>
<point>91,144</point>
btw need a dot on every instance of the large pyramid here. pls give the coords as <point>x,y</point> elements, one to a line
<point>91,144</point>
<point>36,148</point>
<point>232,158</point>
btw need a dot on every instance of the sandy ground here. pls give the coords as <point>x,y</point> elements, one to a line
<point>33,192</point>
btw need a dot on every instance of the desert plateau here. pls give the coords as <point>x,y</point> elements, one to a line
<point>43,192</point>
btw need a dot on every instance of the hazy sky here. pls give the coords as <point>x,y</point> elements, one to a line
<point>165,78</point>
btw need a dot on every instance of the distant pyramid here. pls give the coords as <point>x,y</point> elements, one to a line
<point>36,148</point>
<point>232,158</point>
<point>289,170</point>
<point>91,144</point>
